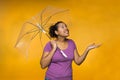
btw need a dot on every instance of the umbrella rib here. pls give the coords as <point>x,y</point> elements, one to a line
<point>42,15</point>
<point>48,18</point>
<point>32,24</point>
<point>27,33</point>
<point>40,35</point>
<point>30,31</point>
<point>33,29</point>
<point>23,35</point>
<point>34,35</point>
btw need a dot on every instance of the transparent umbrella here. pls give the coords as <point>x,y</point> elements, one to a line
<point>39,25</point>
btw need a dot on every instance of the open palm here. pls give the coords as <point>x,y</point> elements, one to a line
<point>93,45</point>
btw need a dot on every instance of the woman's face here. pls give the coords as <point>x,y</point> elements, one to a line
<point>62,30</point>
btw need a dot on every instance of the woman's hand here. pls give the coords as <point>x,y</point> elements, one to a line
<point>54,44</point>
<point>93,46</point>
<point>47,56</point>
<point>79,59</point>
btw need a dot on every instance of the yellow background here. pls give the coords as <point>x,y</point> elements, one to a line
<point>92,21</point>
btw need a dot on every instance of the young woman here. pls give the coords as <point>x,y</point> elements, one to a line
<point>60,63</point>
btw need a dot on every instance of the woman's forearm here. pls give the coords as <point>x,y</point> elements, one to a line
<point>82,57</point>
<point>45,61</point>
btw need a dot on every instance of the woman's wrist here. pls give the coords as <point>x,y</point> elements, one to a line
<point>53,49</point>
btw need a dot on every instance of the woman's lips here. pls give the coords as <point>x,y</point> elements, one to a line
<point>67,32</point>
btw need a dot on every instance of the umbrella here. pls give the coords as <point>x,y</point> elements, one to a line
<point>38,25</point>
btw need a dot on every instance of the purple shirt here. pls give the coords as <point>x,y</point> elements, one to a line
<point>60,67</point>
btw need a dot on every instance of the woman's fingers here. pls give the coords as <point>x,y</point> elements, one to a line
<point>98,45</point>
<point>93,45</point>
<point>53,43</point>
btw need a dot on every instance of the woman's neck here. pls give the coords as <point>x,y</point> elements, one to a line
<point>61,39</point>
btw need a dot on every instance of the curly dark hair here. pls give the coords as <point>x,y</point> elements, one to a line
<point>54,28</point>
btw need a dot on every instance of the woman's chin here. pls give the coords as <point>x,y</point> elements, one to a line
<point>67,35</point>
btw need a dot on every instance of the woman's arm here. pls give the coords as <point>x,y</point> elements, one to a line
<point>79,59</point>
<point>47,56</point>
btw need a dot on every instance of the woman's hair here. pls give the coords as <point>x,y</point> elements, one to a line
<point>54,28</point>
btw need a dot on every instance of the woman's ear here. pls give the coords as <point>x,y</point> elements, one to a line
<point>56,32</point>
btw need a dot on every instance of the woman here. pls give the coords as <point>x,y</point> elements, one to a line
<point>59,66</point>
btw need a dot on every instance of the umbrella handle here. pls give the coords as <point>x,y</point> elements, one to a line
<point>63,54</point>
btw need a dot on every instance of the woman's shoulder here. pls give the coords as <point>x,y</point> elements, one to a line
<point>72,43</point>
<point>71,40</point>
<point>47,47</point>
<point>68,39</point>
<point>48,43</point>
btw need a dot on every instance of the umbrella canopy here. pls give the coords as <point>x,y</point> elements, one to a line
<point>38,25</point>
